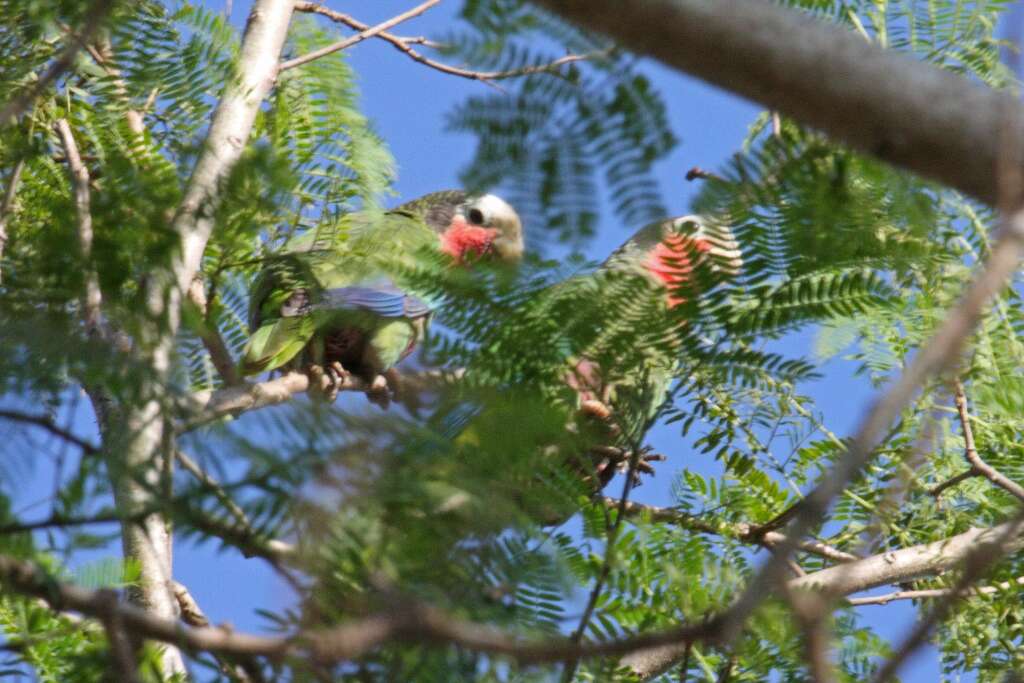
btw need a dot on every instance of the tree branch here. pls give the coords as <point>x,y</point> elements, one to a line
<point>92,297</point>
<point>978,560</point>
<point>139,437</point>
<point>938,489</point>
<point>916,562</point>
<point>748,533</point>
<point>943,348</point>
<point>368,32</point>
<point>7,206</point>
<point>206,406</point>
<point>46,423</point>
<point>210,336</point>
<point>193,468</point>
<point>404,45</point>
<point>97,14</point>
<point>979,466</point>
<point>915,115</point>
<point>886,598</point>
<point>406,620</point>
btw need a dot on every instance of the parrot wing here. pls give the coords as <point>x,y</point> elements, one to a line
<point>385,300</point>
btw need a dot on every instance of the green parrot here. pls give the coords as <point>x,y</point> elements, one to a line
<point>604,374</point>
<point>625,391</point>
<point>335,301</point>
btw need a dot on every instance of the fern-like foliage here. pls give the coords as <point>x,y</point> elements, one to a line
<point>486,499</point>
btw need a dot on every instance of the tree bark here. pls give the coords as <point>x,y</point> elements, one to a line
<point>139,438</point>
<point>915,115</point>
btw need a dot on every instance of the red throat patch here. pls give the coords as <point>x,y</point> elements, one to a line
<point>669,261</point>
<point>461,239</point>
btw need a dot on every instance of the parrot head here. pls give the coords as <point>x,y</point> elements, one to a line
<point>665,250</point>
<point>483,226</point>
<point>471,226</point>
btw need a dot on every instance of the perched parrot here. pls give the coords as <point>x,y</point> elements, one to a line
<point>628,395</point>
<point>613,369</point>
<point>335,301</point>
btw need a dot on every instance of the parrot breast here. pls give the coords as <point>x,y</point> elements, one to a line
<point>462,239</point>
<point>669,262</point>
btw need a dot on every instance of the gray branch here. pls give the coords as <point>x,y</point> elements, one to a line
<point>915,115</point>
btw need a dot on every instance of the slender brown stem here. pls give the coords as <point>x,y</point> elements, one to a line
<point>404,45</point>
<point>359,37</point>
<point>978,465</point>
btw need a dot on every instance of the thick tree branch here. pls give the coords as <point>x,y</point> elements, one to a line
<point>138,437</point>
<point>907,564</point>
<point>7,206</point>
<point>412,622</point>
<point>407,621</point>
<point>915,115</point>
<point>368,32</point>
<point>942,349</point>
<point>404,45</point>
<point>897,566</point>
<point>233,118</point>
<point>92,297</point>
<point>976,563</point>
<point>96,15</point>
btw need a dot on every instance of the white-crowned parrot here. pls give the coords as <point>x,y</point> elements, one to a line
<point>339,301</point>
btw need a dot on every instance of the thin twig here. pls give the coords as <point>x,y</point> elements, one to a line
<point>97,14</point>
<point>49,425</point>
<point>193,468</point>
<point>606,565</point>
<point>938,489</point>
<point>191,613</point>
<point>210,335</point>
<point>359,37</point>
<point>929,593</point>
<point>64,521</point>
<point>748,533</point>
<point>404,45</point>
<point>978,465</point>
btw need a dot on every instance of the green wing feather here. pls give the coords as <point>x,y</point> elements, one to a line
<point>361,247</point>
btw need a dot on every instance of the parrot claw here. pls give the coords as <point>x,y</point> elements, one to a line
<point>328,380</point>
<point>596,408</point>
<point>617,460</point>
<point>379,393</point>
<point>338,374</point>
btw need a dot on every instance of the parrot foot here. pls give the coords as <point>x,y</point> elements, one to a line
<point>328,380</point>
<point>596,408</point>
<point>379,393</point>
<point>617,460</point>
<point>337,376</point>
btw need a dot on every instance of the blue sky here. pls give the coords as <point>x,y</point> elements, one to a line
<point>407,104</point>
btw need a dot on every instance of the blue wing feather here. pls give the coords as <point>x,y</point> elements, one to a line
<point>384,299</point>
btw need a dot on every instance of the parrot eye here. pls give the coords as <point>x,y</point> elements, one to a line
<point>476,216</point>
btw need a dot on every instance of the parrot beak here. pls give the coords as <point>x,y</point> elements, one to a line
<point>508,250</point>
